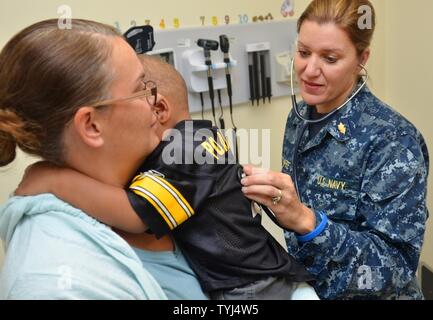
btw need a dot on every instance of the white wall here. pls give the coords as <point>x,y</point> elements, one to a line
<point>409,76</point>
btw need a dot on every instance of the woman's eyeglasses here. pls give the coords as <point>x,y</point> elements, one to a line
<point>149,92</point>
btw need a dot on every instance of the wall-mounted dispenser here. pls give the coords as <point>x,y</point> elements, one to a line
<point>282,66</point>
<point>166,55</point>
<point>259,72</point>
<point>196,74</point>
<point>283,62</point>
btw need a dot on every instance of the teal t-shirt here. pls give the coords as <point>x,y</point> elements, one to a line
<point>172,272</point>
<point>55,251</point>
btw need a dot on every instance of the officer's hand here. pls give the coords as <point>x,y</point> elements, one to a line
<point>277,191</point>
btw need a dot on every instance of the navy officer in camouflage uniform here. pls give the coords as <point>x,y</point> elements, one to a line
<point>359,220</point>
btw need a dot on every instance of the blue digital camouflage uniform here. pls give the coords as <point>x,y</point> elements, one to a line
<point>367,170</point>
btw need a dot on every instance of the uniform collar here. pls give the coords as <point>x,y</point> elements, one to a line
<point>344,122</point>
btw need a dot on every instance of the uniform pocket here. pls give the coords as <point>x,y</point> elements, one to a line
<point>338,198</point>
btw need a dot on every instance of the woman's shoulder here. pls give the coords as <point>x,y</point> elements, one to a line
<point>382,118</point>
<point>388,129</point>
<point>48,243</point>
<point>45,210</point>
<point>45,218</point>
<point>46,221</point>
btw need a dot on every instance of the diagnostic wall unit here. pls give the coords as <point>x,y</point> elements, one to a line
<point>266,46</point>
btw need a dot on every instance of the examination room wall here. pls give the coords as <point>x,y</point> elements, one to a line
<point>388,78</point>
<point>409,76</point>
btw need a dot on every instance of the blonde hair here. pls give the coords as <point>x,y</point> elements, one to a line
<point>345,14</point>
<point>46,74</point>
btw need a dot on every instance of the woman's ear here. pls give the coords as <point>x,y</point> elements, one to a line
<point>162,110</point>
<point>88,127</point>
<point>364,57</point>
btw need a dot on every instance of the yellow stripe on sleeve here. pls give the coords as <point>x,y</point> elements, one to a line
<point>182,199</point>
<point>140,193</point>
<point>164,197</point>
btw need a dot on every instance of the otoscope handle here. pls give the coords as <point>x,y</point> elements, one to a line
<point>222,124</point>
<point>207,58</point>
<point>211,93</point>
<point>210,82</point>
<point>229,84</point>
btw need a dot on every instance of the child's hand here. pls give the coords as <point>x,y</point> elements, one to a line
<point>38,178</point>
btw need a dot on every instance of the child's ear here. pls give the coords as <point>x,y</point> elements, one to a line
<point>88,127</point>
<point>162,109</point>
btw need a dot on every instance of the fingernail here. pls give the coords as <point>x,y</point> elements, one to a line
<point>244,190</point>
<point>243,181</point>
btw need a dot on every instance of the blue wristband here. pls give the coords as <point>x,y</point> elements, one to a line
<point>310,236</point>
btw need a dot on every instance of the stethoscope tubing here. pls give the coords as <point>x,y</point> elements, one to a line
<point>307,121</point>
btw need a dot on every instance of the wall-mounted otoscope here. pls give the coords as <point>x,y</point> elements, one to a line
<point>225,47</point>
<point>207,46</point>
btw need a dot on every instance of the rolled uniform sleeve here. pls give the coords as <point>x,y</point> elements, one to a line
<point>376,256</point>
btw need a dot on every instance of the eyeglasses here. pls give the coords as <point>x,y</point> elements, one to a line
<point>149,92</point>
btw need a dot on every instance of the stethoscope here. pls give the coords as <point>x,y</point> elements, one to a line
<point>307,121</point>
